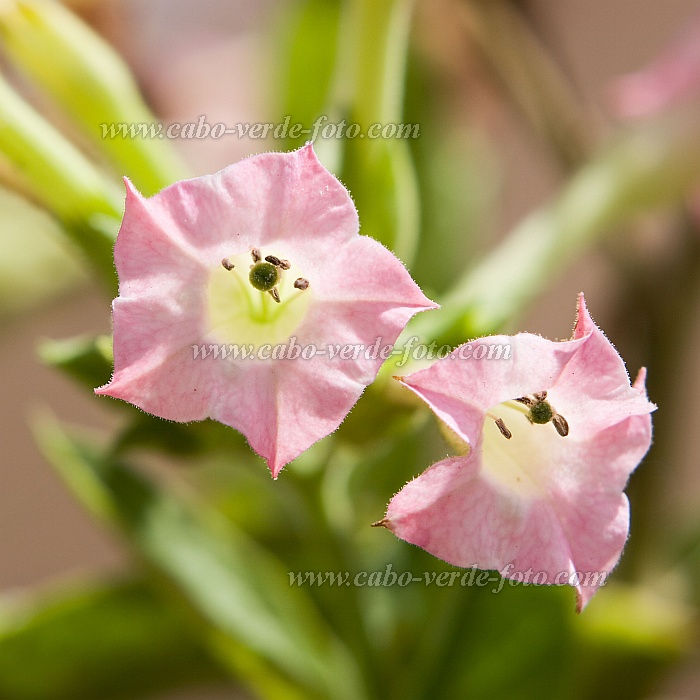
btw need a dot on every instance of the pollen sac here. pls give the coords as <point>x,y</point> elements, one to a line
<point>561,425</point>
<point>264,276</point>
<point>541,413</point>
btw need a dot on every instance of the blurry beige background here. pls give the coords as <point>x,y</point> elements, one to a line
<point>211,57</point>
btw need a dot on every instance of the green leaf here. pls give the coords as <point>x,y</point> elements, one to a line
<point>379,171</point>
<point>62,180</point>
<point>266,630</point>
<point>88,359</point>
<point>106,641</point>
<point>91,82</point>
<point>308,60</point>
<point>382,179</point>
<point>34,260</point>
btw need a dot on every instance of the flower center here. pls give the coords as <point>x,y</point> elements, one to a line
<point>518,447</point>
<point>541,413</point>
<point>256,304</point>
<point>264,276</point>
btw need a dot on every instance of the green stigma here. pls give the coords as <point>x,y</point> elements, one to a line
<point>541,413</point>
<point>264,276</point>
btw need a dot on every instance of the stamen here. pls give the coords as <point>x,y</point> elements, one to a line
<point>227,265</point>
<point>256,255</point>
<point>301,283</point>
<point>275,294</point>
<point>561,425</point>
<point>540,395</point>
<point>500,424</point>
<point>278,262</point>
<point>525,400</point>
<point>504,431</point>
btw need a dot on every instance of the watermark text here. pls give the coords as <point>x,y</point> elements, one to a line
<point>412,349</point>
<point>201,129</point>
<point>468,577</point>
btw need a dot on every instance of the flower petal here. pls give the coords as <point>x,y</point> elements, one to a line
<point>595,391</point>
<point>256,202</point>
<point>459,391</point>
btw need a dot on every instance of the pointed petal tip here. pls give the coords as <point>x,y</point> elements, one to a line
<point>275,464</point>
<point>384,522</point>
<point>130,187</point>
<point>640,383</point>
<point>274,468</point>
<point>103,390</point>
<point>584,323</point>
<point>307,151</point>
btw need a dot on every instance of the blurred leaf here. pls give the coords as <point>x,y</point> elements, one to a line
<point>91,82</point>
<point>107,641</point>
<point>379,171</point>
<point>654,165</point>
<point>34,261</point>
<point>308,60</point>
<point>62,180</point>
<point>151,432</point>
<point>88,359</point>
<point>381,177</point>
<point>458,184</point>
<point>637,618</point>
<point>264,628</point>
<point>501,652</point>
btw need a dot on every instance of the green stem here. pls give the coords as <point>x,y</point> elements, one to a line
<point>379,171</point>
<point>337,551</point>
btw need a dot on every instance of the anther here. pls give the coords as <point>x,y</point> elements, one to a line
<point>502,427</point>
<point>277,262</point>
<point>227,265</point>
<point>301,283</point>
<point>275,294</point>
<point>561,425</point>
<point>256,255</point>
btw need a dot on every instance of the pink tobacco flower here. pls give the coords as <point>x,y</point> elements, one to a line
<point>671,78</point>
<point>549,436</point>
<point>262,257</point>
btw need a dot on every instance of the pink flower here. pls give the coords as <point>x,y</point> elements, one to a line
<point>538,492</point>
<point>264,254</point>
<point>671,78</point>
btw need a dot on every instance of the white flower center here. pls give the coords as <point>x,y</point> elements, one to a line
<point>523,463</point>
<point>238,313</point>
